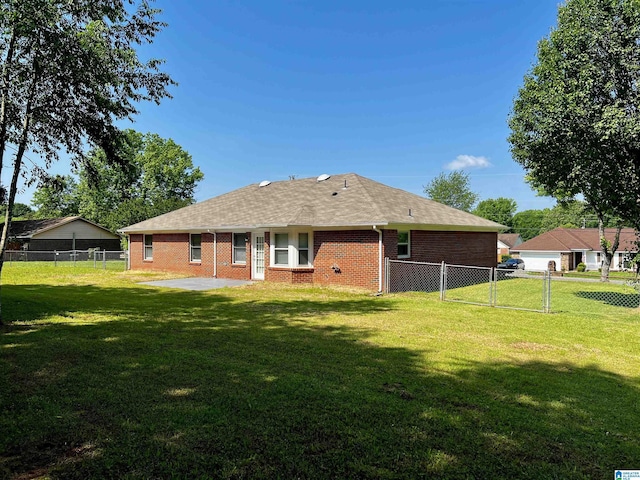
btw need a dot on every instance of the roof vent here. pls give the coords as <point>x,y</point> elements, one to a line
<point>264,183</point>
<point>323,177</point>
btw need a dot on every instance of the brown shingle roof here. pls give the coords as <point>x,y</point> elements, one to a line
<point>29,228</point>
<point>342,200</point>
<point>509,239</point>
<point>568,239</point>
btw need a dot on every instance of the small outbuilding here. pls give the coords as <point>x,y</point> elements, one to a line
<point>68,233</point>
<point>329,230</point>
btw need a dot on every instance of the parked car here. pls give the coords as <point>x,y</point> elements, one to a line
<point>513,264</point>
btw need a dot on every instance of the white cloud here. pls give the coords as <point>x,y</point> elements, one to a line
<point>468,161</point>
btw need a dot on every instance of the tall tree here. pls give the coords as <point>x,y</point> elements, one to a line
<point>159,177</point>
<point>56,198</point>
<point>452,189</point>
<point>569,214</point>
<point>528,223</point>
<point>19,210</point>
<point>500,210</point>
<point>575,121</point>
<point>69,70</point>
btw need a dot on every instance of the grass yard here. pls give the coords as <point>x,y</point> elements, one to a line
<point>104,378</point>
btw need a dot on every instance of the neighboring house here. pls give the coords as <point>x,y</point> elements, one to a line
<point>506,241</point>
<point>69,233</point>
<point>327,230</point>
<point>568,247</point>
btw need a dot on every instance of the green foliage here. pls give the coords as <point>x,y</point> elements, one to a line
<point>581,267</point>
<point>69,72</point>
<point>453,190</point>
<point>499,210</point>
<point>505,257</point>
<point>159,177</point>
<point>571,214</point>
<point>574,124</point>
<point>20,210</point>
<point>528,223</point>
<point>57,197</point>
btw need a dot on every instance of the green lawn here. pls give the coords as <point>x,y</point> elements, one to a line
<point>104,378</point>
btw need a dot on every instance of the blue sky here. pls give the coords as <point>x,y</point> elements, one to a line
<point>394,91</point>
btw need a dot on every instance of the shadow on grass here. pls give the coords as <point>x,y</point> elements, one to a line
<point>616,299</point>
<point>214,386</point>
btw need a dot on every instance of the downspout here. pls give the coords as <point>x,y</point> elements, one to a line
<point>215,253</point>
<point>129,252</point>
<point>375,229</point>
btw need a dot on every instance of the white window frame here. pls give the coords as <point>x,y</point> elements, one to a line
<point>300,249</point>
<point>276,249</point>
<point>408,243</point>
<point>145,247</point>
<point>235,248</point>
<point>293,249</point>
<point>192,248</point>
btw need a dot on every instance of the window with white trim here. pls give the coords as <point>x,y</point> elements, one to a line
<point>292,249</point>
<point>281,250</point>
<point>303,249</point>
<point>404,250</point>
<point>240,248</point>
<point>195,247</point>
<point>148,247</point>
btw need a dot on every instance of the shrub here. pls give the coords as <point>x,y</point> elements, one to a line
<point>581,267</point>
<point>505,257</point>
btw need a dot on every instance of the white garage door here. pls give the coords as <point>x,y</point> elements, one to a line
<point>539,261</point>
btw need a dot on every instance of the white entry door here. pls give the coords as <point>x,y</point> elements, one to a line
<point>257,248</point>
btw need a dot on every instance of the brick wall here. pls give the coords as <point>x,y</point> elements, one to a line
<point>459,248</point>
<point>354,253</point>
<point>226,267</point>
<point>347,258</point>
<point>171,253</point>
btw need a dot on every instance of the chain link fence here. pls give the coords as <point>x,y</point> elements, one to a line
<point>92,258</point>
<point>513,289</point>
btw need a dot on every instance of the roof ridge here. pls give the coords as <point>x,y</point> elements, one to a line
<point>577,238</point>
<point>376,207</point>
<point>557,238</point>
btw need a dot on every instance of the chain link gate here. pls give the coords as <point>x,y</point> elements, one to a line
<point>487,286</point>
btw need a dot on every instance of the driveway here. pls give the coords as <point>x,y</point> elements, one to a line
<point>195,283</point>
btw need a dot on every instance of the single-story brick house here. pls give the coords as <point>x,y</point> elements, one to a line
<point>330,230</point>
<point>68,233</point>
<point>568,247</point>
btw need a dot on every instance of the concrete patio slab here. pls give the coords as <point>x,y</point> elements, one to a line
<point>197,284</point>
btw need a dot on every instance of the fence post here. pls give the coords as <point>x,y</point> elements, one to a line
<point>55,258</point>
<point>443,280</point>
<point>386,274</point>
<point>548,292</point>
<point>104,259</point>
<point>492,287</point>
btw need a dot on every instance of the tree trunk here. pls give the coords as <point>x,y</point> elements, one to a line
<point>4,94</point>
<point>17,167</point>
<point>607,249</point>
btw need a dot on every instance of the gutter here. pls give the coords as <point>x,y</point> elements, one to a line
<point>375,229</point>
